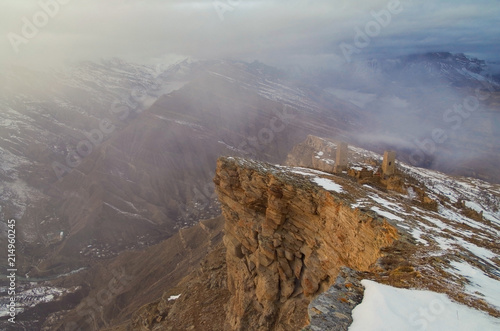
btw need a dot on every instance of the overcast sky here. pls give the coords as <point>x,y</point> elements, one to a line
<point>275,32</point>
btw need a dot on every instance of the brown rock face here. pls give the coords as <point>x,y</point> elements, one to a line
<point>286,241</point>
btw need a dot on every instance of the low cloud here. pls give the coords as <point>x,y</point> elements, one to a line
<point>273,31</point>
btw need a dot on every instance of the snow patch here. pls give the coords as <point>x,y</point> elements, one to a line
<point>417,234</point>
<point>328,185</point>
<point>388,308</point>
<point>386,214</point>
<point>174,297</point>
<point>480,285</point>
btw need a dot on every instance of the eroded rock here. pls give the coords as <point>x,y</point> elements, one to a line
<point>297,234</point>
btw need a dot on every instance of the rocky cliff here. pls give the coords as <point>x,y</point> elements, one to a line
<point>287,239</point>
<point>298,241</point>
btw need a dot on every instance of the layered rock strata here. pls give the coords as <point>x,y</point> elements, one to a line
<point>287,239</point>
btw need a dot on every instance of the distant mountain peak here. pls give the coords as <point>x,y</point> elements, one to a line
<point>455,69</point>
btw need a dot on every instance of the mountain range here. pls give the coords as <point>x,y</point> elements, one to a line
<point>98,159</point>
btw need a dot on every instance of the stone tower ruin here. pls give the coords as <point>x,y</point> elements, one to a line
<point>342,157</point>
<point>389,163</point>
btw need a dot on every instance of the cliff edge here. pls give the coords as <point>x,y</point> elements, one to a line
<point>287,238</point>
<point>301,245</point>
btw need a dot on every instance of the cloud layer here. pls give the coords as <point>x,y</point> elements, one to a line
<point>272,31</point>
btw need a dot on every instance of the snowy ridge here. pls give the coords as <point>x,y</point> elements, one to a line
<point>456,250</point>
<point>57,109</point>
<point>456,69</point>
<point>269,88</point>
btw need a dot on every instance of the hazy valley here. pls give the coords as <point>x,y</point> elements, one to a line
<point>110,167</point>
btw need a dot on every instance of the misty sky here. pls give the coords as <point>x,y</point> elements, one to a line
<point>276,32</point>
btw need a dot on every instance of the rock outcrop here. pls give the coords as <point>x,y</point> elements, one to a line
<point>287,239</point>
<point>297,242</point>
<point>332,310</point>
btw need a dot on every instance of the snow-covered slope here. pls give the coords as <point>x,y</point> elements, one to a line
<point>450,227</point>
<point>454,69</point>
<point>389,308</point>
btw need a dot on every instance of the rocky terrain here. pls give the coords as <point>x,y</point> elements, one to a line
<point>108,293</point>
<point>54,121</point>
<point>103,145</point>
<point>290,232</point>
<point>153,173</point>
<point>286,241</point>
<point>104,159</point>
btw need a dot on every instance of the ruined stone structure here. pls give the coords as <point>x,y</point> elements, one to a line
<point>360,174</point>
<point>389,163</point>
<point>318,153</point>
<point>341,157</point>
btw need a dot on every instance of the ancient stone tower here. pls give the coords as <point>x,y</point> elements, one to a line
<point>389,163</point>
<point>342,157</point>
